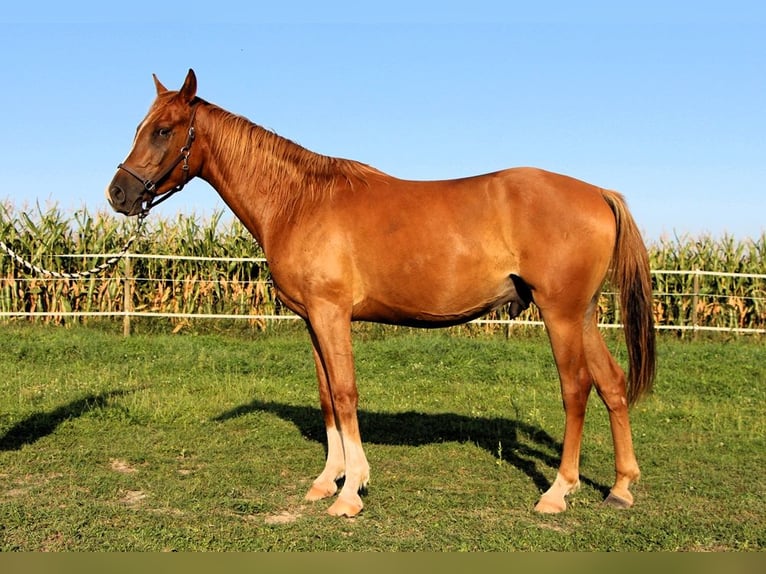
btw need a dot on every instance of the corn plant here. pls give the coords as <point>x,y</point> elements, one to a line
<point>714,297</point>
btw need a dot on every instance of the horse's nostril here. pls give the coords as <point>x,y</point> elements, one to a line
<point>117,194</point>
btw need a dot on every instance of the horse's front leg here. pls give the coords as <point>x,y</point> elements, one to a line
<point>325,484</point>
<point>331,336</point>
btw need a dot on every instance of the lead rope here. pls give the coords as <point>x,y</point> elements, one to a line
<point>111,262</point>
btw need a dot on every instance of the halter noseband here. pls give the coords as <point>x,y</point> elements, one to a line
<point>150,184</point>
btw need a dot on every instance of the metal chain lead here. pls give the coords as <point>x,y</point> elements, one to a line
<point>111,262</point>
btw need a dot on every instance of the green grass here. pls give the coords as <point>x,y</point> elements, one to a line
<point>209,441</point>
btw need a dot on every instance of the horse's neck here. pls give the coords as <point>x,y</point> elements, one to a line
<point>255,172</point>
<point>266,180</point>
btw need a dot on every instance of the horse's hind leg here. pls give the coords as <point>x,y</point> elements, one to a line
<point>566,336</point>
<point>609,379</point>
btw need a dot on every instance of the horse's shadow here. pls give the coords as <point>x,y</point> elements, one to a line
<point>520,444</point>
<point>41,424</point>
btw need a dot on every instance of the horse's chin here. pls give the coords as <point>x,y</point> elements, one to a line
<point>129,210</point>
<point>137,208</point>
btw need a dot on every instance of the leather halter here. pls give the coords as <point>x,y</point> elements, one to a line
<point>150,184</point>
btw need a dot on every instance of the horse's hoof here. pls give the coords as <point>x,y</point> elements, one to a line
<point>348,507</point>
<point>553,500</point>
<point>550,506</point>
<point>615,501</point>
<point>319,491</point>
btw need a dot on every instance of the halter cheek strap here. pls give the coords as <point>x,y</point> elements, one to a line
<point>150,184</point>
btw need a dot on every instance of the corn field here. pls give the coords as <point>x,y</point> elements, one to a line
<point>181,284</point>
<point>212,267</point>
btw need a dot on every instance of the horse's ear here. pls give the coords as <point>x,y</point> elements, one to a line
<point>157,84</point>
<point>189,90</point>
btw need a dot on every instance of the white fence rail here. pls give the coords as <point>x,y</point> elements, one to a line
<point>695,297</point>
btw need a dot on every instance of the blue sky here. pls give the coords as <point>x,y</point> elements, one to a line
<point>666,104</point>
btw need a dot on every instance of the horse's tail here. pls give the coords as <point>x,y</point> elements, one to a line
<point>630,273</point>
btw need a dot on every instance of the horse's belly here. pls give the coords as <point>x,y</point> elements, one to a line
<point>435,305</point>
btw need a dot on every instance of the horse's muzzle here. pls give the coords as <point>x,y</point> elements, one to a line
<point>124,198</point>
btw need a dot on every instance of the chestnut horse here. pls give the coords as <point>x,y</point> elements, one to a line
<point>346,242</point>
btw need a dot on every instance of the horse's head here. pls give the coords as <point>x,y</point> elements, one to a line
<point>161,160</point>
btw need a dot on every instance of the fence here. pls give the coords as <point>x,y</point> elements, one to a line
<point>146,285</point>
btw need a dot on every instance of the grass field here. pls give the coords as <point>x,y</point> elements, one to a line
<point>209,441</point>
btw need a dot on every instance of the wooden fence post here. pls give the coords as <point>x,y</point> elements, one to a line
<point>127,301</point>
<point>695,300</point>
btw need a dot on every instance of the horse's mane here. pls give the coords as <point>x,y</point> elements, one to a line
<point>292,176</point>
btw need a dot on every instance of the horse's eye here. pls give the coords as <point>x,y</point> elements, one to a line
<point>164,132</point>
